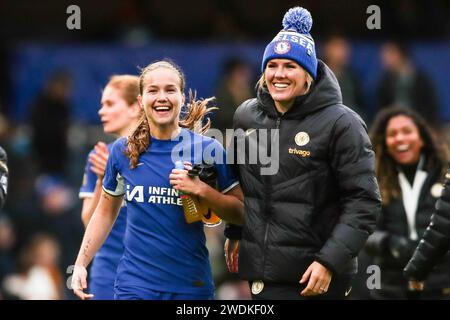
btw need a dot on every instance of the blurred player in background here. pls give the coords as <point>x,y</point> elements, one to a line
<point>119,114</point>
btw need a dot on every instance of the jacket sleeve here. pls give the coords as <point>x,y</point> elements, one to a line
<point>377,243</point>
<point>352,161</point>
<point>233,231</point>
<point>436,239</point>
<point>3,177</point>
<point>396,249</point>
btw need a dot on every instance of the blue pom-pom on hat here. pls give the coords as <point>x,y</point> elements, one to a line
<point>298,19</point>
<point>294,42</point>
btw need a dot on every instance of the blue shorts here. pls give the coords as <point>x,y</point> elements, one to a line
<point>147,294</point>
<point>102,288</point>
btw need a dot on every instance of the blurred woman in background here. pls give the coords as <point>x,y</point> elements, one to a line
<point>38,276</point>
<point>410,165</point>
<point>119,114</point>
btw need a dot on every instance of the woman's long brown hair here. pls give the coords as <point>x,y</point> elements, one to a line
<point>140,139</point>
<point>386,168</point>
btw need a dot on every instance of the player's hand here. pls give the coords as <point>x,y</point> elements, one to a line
<point>79,283</point>
<point>231,249</point>
<point>180,180</point>
<point>414,285</point>
<point>99,159</point>
<point>318,278</point>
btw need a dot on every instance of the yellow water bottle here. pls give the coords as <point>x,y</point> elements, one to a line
<point>190,208</point>
<point>207,174</point>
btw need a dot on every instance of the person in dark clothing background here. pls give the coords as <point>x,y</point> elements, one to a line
<point>337,53</point>
<point>234,88</point>
<point>50,119</point>
<point>3,177</point>
<point>404,84</point>
<point>410,165</point>
<point>307,220</point>
<point>434,244</point>
<point>55,200</point>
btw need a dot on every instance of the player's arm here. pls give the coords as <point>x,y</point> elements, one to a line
<point>90,203</point>
<point>229,206</point>
<point>97,161</point>
<point>96,232</point>
<point>99,227</point>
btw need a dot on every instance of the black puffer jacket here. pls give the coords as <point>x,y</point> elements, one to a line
<point>3,177</point>
<point>323,202</point>
<point>435,244</point>
<point>392,248</point>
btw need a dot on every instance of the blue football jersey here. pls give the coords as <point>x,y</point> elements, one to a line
<point>162,251</point>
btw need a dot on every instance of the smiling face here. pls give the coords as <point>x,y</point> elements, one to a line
<point>115,113</point>
<point>161,97</point>
<point>403,140</point>
<point>285,81</point>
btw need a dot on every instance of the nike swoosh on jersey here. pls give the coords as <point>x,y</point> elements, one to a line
<point>249,131</point>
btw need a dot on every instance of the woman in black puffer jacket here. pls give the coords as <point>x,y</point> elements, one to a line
<point>435,243</point>
<point>311,208</point>
<point>410,165</point>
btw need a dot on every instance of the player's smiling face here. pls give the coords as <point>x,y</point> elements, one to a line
<point>162,97</point>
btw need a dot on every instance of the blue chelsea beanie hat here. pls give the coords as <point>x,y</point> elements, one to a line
<point>294,42</point>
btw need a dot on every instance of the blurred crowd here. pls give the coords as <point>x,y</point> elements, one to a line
<point>141,21</point>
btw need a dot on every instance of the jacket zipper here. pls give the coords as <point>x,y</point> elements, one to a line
<point>277,127</point>
<point>278,122</point>
<point>268,192</point>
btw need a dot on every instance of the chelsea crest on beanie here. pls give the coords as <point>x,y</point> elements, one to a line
<point>294,42</point>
